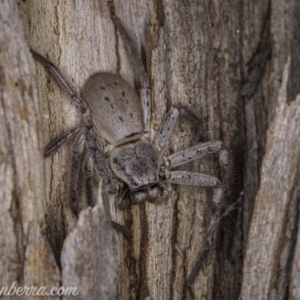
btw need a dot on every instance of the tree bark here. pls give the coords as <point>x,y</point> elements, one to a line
<point>24,249</point>
<point>272,157</point>
<point>186,64</point>
<point>196,55</point>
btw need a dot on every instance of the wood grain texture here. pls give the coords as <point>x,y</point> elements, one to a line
<point>24,249</point>
<point>272,232</point>
<point>294,289</point>
<point>88,256</point>
<point>271,155</point>
<point>185,69</point>
<point>196,55</point>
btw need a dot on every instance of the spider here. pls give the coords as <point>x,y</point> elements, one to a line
<point>135,170</point>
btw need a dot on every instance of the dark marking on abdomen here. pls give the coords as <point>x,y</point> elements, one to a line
<point>131,135</point>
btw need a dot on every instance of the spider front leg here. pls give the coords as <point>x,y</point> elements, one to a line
<point>198,151</point>
<point>138,68</point>
<point>59,78</point>
<point>169,122</point>
<point>189,178</point>
<point>90,190</point>
<point>62,82</point>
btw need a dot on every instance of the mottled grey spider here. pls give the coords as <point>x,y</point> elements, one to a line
<point>134,170</point>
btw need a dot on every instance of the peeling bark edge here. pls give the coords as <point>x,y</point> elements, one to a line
<point>26,258</point>
<point>272,232</point>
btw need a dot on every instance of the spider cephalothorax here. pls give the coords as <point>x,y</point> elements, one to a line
<point>136,169</point>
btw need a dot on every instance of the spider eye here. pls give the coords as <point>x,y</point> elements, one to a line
<point>138,197</point>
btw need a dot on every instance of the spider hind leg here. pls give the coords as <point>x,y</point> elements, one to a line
<point>221,188</point>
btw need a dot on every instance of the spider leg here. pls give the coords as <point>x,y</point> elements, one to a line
<point>59,78</point>
<point>55,145</point>
<point>191,153</point>
<point>122,229</point>
<point>90,166</point>
<point>118,227</point>
<point>211,237</point>
<point>166,128</point>
<point>190,178</point>
<point>101,166</point>
<point>195,271</point>
<point>123,200</point>
<point>195,152</point>
<point>89,184</point>
<point>138,67</point>
<point>113,186</point>
<point>104,172</point>
<point>76,159</point>
<point>96,162</point>
<point>207,181</point>
<point>169,122</point>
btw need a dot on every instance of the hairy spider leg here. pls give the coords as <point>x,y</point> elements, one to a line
<point>138,68</point>
<point>59,78</point>
<point>169,122</point>
<point>190,178</point>
<point>89,172</point>
<point>76,160</point>
<point>56,144</point>
<point>80,141</point>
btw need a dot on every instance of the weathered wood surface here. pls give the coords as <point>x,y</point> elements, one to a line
<point>24,250</point>
<point>271,238</point>
<point>272,155</point>
<point>88,256</point>
<point>294,290</point>
<point>183,68</point>
<point>196,54</point>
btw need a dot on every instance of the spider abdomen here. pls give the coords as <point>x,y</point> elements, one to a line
<point>116,108</point>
